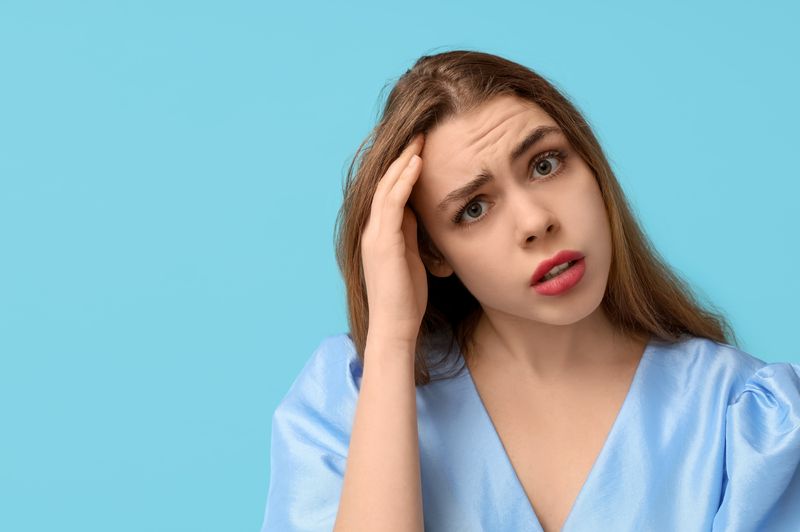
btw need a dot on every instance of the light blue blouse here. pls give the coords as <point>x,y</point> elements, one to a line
<point>707,439</point>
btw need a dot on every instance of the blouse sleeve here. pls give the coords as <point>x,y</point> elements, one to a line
<point>311,429</point>
<point>762,454</point>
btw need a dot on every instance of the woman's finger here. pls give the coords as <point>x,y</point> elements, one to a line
<point>397,198</point>
<point>389,178</point>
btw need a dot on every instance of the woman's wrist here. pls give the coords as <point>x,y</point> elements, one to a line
<point>387,344</point>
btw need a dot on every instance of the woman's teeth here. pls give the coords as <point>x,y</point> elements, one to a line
<point>556,270</point>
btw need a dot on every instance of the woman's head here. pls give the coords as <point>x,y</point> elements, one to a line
<point>537,197</point>
<point>559,193</point>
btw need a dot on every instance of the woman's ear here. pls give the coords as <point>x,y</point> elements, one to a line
<point>437,265</point>
<point>431,256</point>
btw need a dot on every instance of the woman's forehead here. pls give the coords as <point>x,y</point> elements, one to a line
<point>482,135</point>
<point>466,147</point>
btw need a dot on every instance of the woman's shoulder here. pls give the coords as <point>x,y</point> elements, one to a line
<point>762,445</point>
<point>310,436</point>
<point>335,354</point>
<point>728,367</point>
<point>331,373</point>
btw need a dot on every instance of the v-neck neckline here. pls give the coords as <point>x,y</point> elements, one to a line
<point>501,453</point>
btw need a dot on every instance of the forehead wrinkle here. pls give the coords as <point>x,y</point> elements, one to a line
<point>484,136</point>
<point>460,156</point>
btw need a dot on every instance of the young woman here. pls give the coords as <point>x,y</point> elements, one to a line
<point>519,357</point>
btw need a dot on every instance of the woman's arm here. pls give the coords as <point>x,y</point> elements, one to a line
<point>382,488</point>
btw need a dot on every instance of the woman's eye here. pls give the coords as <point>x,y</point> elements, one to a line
<point>547,170</point>
<point>545,166</point>
<point>473,210</point>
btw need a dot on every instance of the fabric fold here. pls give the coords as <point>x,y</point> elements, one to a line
<point>762,454</point>
<point>708,439</point>
<point>311,430</point>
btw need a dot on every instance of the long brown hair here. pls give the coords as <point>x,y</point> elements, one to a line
<point>643,295</point>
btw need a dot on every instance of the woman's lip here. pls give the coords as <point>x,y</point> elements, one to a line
<point>563,281</point>
<point>546,265</point>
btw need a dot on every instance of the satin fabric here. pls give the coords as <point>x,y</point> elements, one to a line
<point>707,439</point>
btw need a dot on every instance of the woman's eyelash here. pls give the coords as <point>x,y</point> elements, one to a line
<point>558,154</point>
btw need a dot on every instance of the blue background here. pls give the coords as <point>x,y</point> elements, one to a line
<point>170,174</point>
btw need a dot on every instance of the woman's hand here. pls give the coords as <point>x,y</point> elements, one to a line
<point>397,286</point>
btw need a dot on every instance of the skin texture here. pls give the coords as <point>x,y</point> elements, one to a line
<point>518,221</point>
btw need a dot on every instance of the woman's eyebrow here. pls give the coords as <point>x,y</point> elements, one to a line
<point>530,140</point>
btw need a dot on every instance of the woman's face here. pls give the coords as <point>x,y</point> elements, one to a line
<point>543,201</point>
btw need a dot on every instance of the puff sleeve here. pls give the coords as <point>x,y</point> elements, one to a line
<point>761,485</point>
<point>311,429</point>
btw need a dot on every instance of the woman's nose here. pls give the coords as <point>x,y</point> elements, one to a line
<point>532,221</point>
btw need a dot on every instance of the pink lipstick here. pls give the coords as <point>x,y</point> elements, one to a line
<point>565,279</point>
